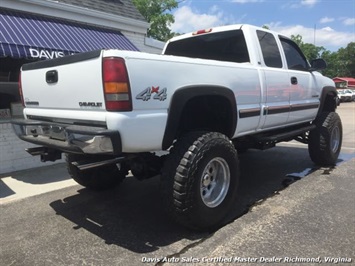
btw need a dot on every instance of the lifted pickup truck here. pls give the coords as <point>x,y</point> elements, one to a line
<point>212,93</point>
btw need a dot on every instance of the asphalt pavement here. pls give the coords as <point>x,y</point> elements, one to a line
<point>312,221</point>
<point>308,219</point>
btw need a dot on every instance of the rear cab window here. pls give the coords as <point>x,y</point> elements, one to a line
<point>229,46</point>
<point>269,49</point>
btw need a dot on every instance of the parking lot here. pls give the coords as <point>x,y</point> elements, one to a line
<point>291,212</point>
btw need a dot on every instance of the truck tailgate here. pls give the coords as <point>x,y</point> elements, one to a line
<point>73,82</point>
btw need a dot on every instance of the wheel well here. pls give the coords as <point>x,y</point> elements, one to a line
<point>329,104</point>
<point>211,108</point>
<point>328,101</point>
<point>207,112</point>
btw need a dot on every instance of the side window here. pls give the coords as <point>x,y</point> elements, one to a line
<point>294,57</point>
<point>269,49</point>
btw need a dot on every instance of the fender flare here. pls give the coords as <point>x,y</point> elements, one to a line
<point>325,91</point>
<point>182,96</point>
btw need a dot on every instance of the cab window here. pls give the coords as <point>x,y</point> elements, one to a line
<point>294,57</point>
<point>269,48</point>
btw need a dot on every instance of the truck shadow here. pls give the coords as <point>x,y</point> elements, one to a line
<point>132,216</point>
<point>266,173</point>
<point>42,175</point>
<point>5,191</point>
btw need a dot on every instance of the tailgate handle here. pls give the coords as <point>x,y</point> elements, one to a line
<point>52,76</point>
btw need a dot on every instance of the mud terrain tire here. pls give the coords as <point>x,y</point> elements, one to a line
<point>200,180</point>
<point>325,141</point>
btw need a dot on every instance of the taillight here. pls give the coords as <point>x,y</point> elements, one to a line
<point>20,89</point>
<point>116,85</point>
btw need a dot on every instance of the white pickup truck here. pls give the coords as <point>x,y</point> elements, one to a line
<point>212,93</point>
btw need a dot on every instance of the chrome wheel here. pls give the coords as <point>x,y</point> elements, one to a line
<point>215,182</point>
<point>335,139</point>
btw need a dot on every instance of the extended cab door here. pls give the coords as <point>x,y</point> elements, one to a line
<point>276,87</point>
<point>304,96</point>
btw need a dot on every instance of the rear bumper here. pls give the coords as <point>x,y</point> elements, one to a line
<point>69,138</point>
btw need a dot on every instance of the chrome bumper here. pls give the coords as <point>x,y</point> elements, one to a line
<point>69,138</point>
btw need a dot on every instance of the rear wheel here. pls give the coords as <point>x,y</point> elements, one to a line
<point>325,140</point>
<point>200,180</point>
<point>99,178</point>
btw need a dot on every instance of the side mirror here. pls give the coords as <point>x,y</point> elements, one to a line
<point>318,64</point>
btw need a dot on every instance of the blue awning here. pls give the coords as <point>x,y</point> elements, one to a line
<point>31,36</point>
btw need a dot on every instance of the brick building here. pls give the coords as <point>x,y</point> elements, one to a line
<point>33,30</point>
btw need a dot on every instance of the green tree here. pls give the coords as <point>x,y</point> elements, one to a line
<point>297,39</point>
<point>339,64</point>
<point>332,69</point>
<point>156,13</point>
<point>309,50</point>
<point>346,58</point>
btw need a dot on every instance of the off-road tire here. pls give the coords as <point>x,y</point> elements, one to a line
<point>97,179</point>
<point>325,140</point>
<point>186,193</point>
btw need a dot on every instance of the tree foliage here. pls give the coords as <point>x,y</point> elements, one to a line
<point>340,63</point>
<point>265,27</point>
<point>310,50</point>
<point>156,13</point>
<point>346,58</point>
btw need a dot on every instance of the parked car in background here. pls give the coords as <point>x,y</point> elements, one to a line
<point>345,95</point>
<point>337,99</point>
<point>353,94</point>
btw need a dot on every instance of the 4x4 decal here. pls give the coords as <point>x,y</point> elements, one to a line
<point>145,95</point>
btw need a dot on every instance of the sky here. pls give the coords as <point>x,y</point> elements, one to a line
<point>327,23</point>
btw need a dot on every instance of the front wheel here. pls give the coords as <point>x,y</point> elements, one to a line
<point>99,178</point>
<point>200,180</point>
<point>325,140</point>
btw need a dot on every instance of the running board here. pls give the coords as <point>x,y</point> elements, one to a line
<point>270,141</point>
<point>287,135</point>
<point>85,166</point>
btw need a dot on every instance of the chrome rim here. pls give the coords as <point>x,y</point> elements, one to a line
<point>215,182</point>
<point>335,139</point>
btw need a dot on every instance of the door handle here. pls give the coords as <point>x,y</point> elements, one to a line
<point>294,81</point>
